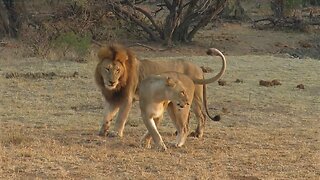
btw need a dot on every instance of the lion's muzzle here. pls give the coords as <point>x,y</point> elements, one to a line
<point>182,105</point>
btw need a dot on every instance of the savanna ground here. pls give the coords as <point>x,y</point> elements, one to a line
<point>50,115</point>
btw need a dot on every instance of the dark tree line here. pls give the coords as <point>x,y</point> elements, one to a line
<point>167,21</point>
<point>163,20</point>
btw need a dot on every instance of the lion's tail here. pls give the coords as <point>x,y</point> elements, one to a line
<point>216,117</point>
<point>212,51</point>
<point>216,52</point>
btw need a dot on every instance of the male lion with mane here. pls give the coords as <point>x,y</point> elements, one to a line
<point>119,73</point>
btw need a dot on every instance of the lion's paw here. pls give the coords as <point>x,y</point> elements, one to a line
<point>146,145</point>
<point>113,134</point>
<point>196,134</point>
<point>161,147</point>
<point>103,132</point>
<point>174,144</point>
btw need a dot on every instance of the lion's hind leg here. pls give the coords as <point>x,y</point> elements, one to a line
<point>146,139</point>
<point>197,106</point>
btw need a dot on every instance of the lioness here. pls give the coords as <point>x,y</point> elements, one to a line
<point>173,91</point>
<point>119,73</point>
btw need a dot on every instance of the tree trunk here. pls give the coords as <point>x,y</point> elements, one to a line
<point>10,16</point>
<point>239,12</point>
<point>182,30</point>
<point>4,22</point>
<point>277,6</point>
<point>172,21</point>
<point>193,22</point>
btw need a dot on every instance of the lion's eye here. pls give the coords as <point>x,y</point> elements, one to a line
<point>118,70</point>
<point>107,69</point>
<point>182,93</point>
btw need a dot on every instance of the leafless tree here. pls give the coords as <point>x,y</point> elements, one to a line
<point>181,18</point>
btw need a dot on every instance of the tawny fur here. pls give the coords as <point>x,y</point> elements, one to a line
<point>173,91</point>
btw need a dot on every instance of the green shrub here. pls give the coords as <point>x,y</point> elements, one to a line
<point>79,43</point>
<point>292,4</point>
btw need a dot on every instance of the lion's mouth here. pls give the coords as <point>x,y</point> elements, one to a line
<point>181,106</point>
<point>110,85</point>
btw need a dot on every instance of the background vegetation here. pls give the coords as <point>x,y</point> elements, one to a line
<point>70,24</point>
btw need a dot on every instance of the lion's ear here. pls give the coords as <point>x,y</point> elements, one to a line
<point>105,53</point>
<point>170,82</point>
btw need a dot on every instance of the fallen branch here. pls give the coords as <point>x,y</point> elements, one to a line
<point>142,45</point>
<point>132,45</point>
<point>270,20</point>
<point>3,44</point>
<point>148,47</point>
<point>96,43</point>
<point>289,22</point>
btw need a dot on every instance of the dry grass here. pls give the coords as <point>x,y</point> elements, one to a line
<point>48,127</point>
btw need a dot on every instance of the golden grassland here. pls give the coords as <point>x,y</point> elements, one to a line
<point>49,125</point>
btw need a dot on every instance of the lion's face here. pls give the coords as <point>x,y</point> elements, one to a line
<point>111,72</point>
<point>178,93</point>
<point>182,99</point>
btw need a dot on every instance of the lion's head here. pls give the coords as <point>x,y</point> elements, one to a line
<point>112,75</point>
<point>177,92</point>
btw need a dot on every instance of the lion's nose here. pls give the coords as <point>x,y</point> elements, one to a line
<point>180,105</point>
<point>112,83</point>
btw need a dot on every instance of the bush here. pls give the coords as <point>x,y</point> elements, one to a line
<point>75,42</point>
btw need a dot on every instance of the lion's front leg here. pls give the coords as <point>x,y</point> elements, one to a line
<point>151,124</point>
<point>146,139</point>
<point>109,114</point>
<point>121,119</point>
<point>180,117</point>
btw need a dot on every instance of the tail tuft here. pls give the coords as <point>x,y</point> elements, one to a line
<point>216,118</point>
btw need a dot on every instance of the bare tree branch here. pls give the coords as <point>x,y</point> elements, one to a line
<point>148,47</point>
<point>148,15</point>
<point>125,15</point>
<point>157,10</point>
<point>96,43</point>
<point>213,11</point>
